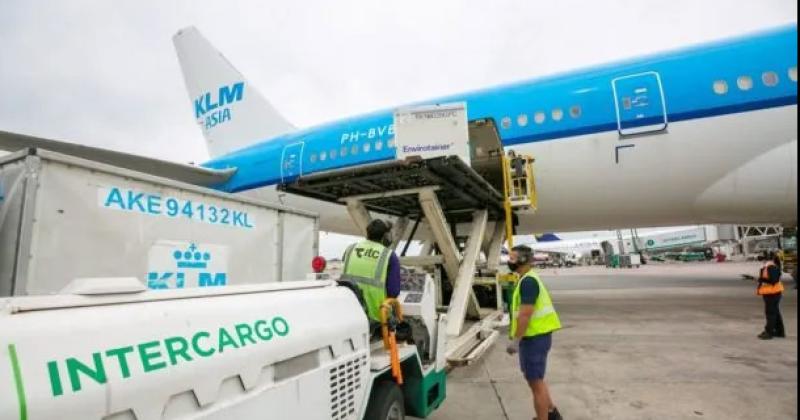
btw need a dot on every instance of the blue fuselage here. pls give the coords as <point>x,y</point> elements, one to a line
<point>632,97</point>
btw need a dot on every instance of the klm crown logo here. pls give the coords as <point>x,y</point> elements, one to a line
<point>189,262</point>
<point>191,258</point>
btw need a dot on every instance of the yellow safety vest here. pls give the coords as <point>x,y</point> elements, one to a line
<point>544,319</point>
<point>366,264</point>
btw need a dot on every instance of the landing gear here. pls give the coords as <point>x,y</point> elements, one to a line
<point>386,402</point>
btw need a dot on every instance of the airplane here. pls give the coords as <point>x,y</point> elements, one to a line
<point>576,248</point>
<point>652,241</point>
<point>551,243</point>
<point>704,134</point>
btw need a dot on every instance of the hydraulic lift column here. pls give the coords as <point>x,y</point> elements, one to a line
<point>443,192</point>
<point>460,271</point>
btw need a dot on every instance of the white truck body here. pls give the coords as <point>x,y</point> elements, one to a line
<point>63,218</point>
<point>242,352</point>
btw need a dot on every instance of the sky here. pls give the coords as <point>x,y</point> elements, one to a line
<point>104,73</point>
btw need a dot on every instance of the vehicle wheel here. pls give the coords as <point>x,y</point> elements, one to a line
<point>385,403</point>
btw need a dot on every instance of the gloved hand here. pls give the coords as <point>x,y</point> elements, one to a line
<point>513,347</point>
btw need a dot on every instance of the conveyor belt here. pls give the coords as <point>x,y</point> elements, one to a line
<point>461,190</point>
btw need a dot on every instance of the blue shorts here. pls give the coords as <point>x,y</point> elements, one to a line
<point>533,356</point>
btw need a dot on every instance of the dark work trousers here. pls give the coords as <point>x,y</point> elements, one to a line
<point>774,320</point>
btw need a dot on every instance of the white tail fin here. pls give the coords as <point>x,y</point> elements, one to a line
<point>231,113</point>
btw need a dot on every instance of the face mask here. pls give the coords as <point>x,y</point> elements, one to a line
<point>513,265</point>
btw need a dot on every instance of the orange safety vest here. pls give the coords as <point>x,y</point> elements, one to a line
<point>766,288</point>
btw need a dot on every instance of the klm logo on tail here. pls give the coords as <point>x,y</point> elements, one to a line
<point>211,110</point>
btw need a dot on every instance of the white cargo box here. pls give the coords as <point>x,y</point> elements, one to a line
<point>431,131</point>
<point>64,218</point>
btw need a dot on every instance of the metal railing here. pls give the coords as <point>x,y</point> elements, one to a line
<point>519,189</point>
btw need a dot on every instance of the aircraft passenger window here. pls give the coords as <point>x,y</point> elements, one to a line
<point>366,147</point>
<point>575,111</point>
<point>506,122</point>
<point>539,117</point>
<point>557,114</point>
<point>343,151</point>
<point>744,82</point>
<point>793,74</point>
<point>720,87</point>
<point>769,78</point>
<point>390,143</point>
<point>323,156</point>
<point>522,120</point>
<point>354,150</point>
<point>378,145</point>
<point>333,154</point>
<point>313,157</point>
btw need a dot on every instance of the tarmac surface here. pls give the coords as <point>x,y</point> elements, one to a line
<point>658,342</point>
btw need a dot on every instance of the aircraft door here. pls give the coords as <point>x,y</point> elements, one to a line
<point>292,161</point>
<point>640,104</point>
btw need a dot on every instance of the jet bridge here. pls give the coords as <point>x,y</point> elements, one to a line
<point>443,193</point>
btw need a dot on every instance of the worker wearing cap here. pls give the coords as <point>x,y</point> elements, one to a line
<point>373,267</point>
<point>533,320</point>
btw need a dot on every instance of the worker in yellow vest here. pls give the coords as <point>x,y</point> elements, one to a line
<point>770,289</point>
<point>373,267</point>
<point>533,320</point>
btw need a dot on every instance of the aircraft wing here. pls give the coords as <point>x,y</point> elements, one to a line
<point>178,171</point>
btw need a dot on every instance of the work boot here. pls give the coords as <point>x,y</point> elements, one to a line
<point>554,415</point>
<point>765,336</point>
